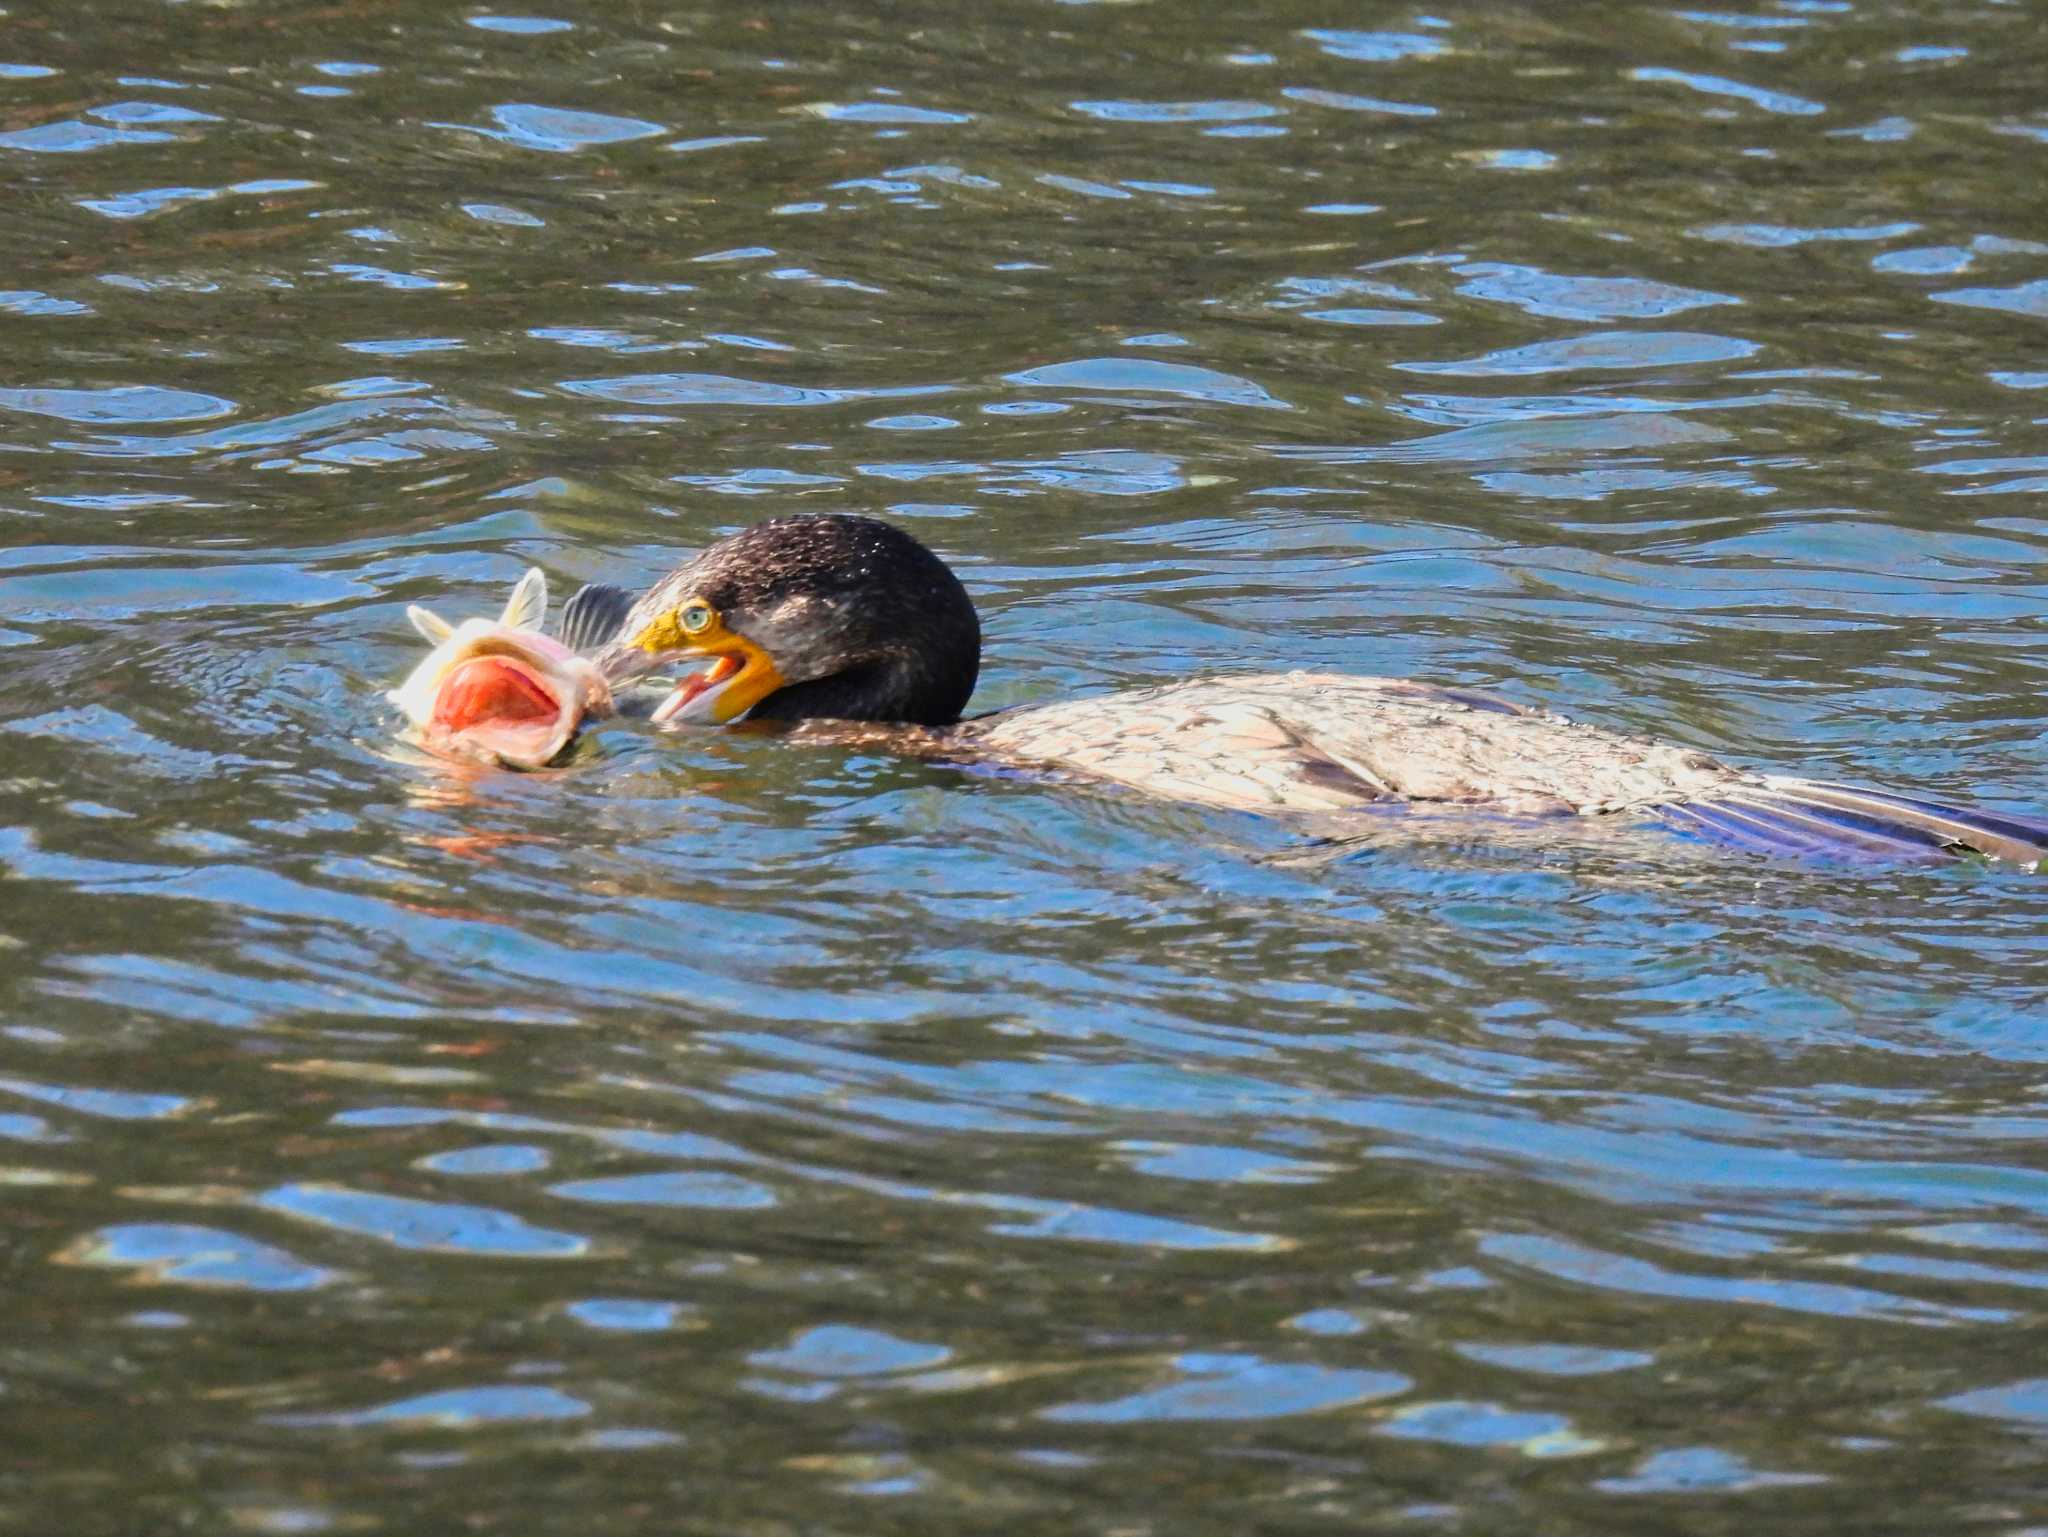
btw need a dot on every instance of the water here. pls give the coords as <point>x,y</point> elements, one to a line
<point>718,1134</point>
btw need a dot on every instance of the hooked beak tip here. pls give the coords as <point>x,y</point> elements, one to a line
<point>623,661</point>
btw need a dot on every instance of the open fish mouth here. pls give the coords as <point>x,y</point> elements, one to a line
<point>488,689</point>
<point>507,698</point>
<point>498,689</point>
<point>504,707</point>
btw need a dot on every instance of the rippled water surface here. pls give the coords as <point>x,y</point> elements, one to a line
<point>721,1134</point>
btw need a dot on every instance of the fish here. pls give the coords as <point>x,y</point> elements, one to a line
<point>500,690</point>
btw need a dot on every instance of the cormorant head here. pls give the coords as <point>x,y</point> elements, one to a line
<point>836,617</point>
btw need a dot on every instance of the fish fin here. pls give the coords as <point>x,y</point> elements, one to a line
<point>1797,816</point>
<point>594,615</point>
<point>527,608</point>
<point>432,627</point>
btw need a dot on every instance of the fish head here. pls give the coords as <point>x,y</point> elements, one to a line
<point>498,689</point>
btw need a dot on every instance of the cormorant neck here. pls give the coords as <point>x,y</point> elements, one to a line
<point>915,690</point>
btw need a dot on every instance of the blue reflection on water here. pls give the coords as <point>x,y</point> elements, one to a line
<point>1238,1387</point>
<point>188,1255</point>
<point>434,1226</point>
<point>456,1409</point>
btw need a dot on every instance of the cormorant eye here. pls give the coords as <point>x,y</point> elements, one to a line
<point>695,617</point>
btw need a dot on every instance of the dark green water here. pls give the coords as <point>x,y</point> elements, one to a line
<point>718,1135</point>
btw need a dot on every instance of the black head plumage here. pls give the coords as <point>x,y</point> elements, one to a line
<point>862,621</point>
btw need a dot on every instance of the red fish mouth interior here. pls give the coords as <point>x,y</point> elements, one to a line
<point>491,690</point>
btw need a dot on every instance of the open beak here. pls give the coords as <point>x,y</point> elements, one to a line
<point>735,676</point>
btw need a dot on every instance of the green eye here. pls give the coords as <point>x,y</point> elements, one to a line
<point>695,618</point>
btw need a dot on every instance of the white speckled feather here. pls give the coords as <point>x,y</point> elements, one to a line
<point>1303,741</point>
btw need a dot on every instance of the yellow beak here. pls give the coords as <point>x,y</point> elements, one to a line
<point>740,676</point>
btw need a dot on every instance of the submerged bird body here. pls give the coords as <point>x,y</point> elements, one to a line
<point>845,619</point>
<point>1307,741</point>
<point>1304,743</point>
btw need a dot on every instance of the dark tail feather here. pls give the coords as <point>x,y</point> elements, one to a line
<point>1794,816</point>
